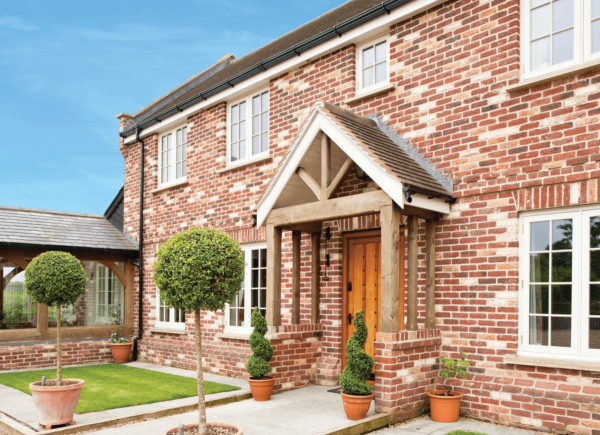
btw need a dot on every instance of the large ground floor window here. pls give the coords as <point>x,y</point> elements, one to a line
<point>560,282</point>
<point>253,292</point>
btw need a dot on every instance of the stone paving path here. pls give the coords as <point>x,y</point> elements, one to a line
<point>426,426</point>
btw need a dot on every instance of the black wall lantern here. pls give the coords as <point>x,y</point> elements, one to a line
<point>327,261</point>
<point>360,174</point>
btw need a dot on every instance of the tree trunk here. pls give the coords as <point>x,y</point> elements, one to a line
<point>202,430</point>
<point>58,349</point>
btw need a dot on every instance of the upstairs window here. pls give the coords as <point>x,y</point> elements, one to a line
<point>172,157</point>
<point>248,132</point>
<point>558,34</point>
<point>560,283</point>
<point>373,60</point>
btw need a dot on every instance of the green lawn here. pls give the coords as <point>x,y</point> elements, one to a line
<point>109,386</point>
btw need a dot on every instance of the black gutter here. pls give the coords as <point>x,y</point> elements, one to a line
<point>296,50</point>
<point>140,265</point>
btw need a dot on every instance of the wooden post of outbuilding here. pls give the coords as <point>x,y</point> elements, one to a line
<point>430,274</point>
<point>296,241</point>
<point>273,275</point>
<point>390,269</point>
<point>315,281</point>
<point>412,224</point>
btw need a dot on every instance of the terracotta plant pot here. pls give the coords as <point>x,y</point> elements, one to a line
<point>121,352</point>
<point>56,405</point>
<point>444,409</point>
<point>262,388</point>
<point>191,426</point>
<point>356,407</point>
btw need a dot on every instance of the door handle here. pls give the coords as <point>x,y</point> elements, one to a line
<point>350,317</point>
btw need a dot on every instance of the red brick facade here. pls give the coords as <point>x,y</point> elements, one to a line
<point>506,152</point>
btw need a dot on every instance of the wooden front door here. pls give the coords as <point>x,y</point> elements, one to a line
<point>362,285</point>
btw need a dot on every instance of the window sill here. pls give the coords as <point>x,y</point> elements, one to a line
<point>165,330</point>
<point>244,163</point>
<point>555,75</point>
<point>233,336</point>
<point>169,186</point>
<point>371,93</point>
<point>588,366</point>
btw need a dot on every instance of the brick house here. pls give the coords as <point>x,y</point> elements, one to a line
<point>435,163</point>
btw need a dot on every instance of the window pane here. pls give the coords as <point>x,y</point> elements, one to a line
<point>367,77</point>
<point>380,72</point>
<point>540,54</point>
<point>233,317</point>
<point>595,230</point>
<point>255,124</point>
<point>263,299</point>
<point>562,267</point>
<point>595,8</point>
<point>240,317</point>
<point>595,299</point>
<point>561,332</point>
<point>381,52</point>
<point>540,236</point>
<point>178,175</point>
<point>562,15</point>
<point>538,299</point>
<point>265,142</point>
<point>256,105</point>
<point>256,145</point>
<point>264,121</point>
<point>178,137</point>
<point>562,234</point>
<point>254,258</point>
<point>541,23</point>
<point>242,111</point>
<point>234,133</point>
<point>263,277</point>
<point>254,299</point>
<point>265,101</point>
<point>242,130</point>
<point>254,275</point>
<point>538,330</point>
<point>263,258</point>
<point>539,267</point>
<point>234,114</point>
<point>234,153</point>
<point>561,299</point>
<point>184,171</point>
<point>368,57</point>
<point>595,266</point>
<point>184,134</point>
<point>242,149</point>
<point>594,342</point>
<point>562,48</point>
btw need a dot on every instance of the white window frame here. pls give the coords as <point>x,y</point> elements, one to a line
<point>174,180</point>
<point>171,324</point>
<point>249,157</point>
<point>359,69</point>
<point>117,286</point>
<point>578,37</point>
<point>579,349</point>
<point>247,329</point>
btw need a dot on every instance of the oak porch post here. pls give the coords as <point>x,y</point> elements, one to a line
<point>430,277</point>
<point>296,241</point>
<point>325,164</point>
<point>273,275</point>
<point>315,289</point>
<point>390,270</point>
<point>412,224</point>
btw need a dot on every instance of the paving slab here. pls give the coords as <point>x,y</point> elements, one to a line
<point>426,426</point>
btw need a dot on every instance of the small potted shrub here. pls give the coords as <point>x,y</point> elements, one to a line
<point>200,269</point>
<point>445,404</point>
<point>357,394</point>
<point>258,363</point>
<point>56,279</point>
<point>120,346</point>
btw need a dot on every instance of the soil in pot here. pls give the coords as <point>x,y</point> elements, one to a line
<point>356,407</point>
<point>262,388</point>
<point>56,405</point>
<point>444,409</point>
<point>213,429</point>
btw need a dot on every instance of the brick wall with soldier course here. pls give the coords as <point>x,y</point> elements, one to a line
<point>506,152</point>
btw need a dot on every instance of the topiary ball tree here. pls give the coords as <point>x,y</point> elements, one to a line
<point>55,279</point>
<point>262,352</point>
<point>199,269</point>
<point>359,363</point>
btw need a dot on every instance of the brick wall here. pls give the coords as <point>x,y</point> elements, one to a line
<point>506,152</point>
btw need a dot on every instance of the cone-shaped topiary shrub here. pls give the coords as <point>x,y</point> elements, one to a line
<point>199,269</point>
<point>55,279</point>
<point>359,363</point>
<point>262,352</point>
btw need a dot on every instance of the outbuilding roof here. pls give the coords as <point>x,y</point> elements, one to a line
<point>45,229</point>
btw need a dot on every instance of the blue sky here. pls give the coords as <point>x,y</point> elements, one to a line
<point>68,67</point>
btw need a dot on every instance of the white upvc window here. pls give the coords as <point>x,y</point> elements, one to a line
<point>168,317</point>
<point>109,295</point>
<point>558,34</point>
<point>253,292</point>
<point>373,64</point>
<point>560,283</point>
<point>172,156</point>
<point>248,128</point>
